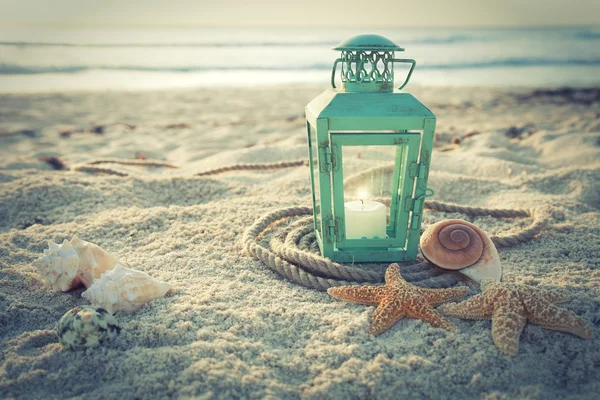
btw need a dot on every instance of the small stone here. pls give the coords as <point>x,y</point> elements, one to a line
<point>54,162</point>
<point>513,132</point>
<point>98,129</point>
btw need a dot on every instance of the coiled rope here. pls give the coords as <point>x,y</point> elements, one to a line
<point>294,253</point>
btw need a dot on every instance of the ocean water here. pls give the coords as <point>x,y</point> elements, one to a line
<point>51,57</point>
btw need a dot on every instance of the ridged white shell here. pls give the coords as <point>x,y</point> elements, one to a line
<point>59,266</point>
<point>68,265</point>
<point>124,289</point>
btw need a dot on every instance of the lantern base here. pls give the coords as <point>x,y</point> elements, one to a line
<point>372,255</point>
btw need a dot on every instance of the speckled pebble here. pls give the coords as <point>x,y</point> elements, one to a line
<point>86,326</point>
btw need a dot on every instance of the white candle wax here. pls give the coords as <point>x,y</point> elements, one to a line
<point>365,218</point>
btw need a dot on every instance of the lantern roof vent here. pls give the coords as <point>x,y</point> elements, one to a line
<point>368,43</point>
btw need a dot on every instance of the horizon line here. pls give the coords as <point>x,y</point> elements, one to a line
<point>287,26</point>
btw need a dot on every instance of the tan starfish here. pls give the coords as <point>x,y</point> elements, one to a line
<point>399,298</point>
<point>511,306</point>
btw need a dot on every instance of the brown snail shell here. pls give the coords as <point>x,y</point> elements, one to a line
<point>455,244</point>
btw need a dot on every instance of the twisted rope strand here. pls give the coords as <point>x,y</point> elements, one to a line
<point>98,170</point>
<point>476,211</point>
<point>540,217</point>
<point>135,163</point>
<point>314,271</point>
<point>254,167</point>
<point>276,263</point>
<point>92,166</point>
<point>89,166</point>
<point>319,265</point>
<point>288,253</point>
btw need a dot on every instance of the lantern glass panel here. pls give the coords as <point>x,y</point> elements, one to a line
<point>371,183</point>
<point>366,178</point>
<point>313,154</point>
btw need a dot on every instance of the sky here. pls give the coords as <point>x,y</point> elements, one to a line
<point>306,13</point>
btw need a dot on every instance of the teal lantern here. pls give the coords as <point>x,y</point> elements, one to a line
<point>369,150</point>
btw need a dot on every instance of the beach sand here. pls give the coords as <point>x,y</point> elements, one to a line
<point>232,328</point>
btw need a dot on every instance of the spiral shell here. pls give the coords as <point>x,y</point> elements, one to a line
<point>124,289</point>
<point>86,326</point>
<point>459,245</point>
<point>70,264</point>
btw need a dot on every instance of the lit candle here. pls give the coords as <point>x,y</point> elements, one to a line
<point>365,218</point>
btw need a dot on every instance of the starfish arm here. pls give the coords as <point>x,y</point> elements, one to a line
<point>554,296</point>
<point>439,296</point>
<point>367,295</point>
<point>508,321</point>
<point>558,319</point>
<point>393,276</point>
<point>486,284</point>
<point>473,308</point>
<point>423,311</point>
<point>547,295</point>
<point>385,316</point>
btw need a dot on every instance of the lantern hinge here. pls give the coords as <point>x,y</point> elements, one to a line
<point>412,205</point>
<point>331,227</point>
<point>417,170</point>
<point>327,159</point>
<point>415,222</point>
<point>409,204</point>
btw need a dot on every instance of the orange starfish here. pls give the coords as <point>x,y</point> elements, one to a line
<point>511,306</point>
<point>399,298</point>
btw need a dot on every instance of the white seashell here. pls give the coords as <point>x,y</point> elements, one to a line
<point>124,289</point>
<point>459,245</point>
<point>68,265</point>
<point>93,261</point>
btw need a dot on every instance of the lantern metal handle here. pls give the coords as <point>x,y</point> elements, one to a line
<point>429,193</point>
<point>410,61</point>
<point>335,63</point>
